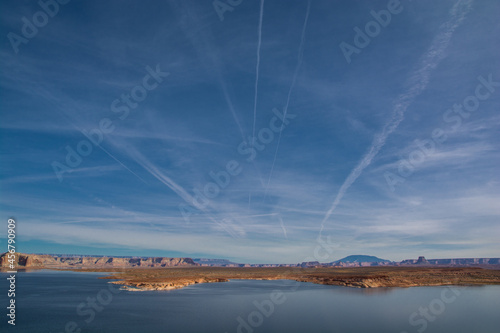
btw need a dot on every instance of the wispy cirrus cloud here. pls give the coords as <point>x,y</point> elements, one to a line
<point>195,122</point>
<point>418,82</point>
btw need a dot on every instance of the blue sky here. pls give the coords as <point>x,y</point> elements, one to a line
<point>371,154</point>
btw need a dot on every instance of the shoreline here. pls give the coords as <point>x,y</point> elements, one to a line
<point>169,279</point>
<point>156,279</point>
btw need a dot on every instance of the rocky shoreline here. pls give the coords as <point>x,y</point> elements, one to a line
<point>172,278</point>
<point>160,273</point>
<point>147,286</point>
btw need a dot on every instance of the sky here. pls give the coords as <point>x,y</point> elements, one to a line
<point>256,131</point>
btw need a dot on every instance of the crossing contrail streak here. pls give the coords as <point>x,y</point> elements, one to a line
<point>297,68</point>
<point>259,42</point>
<point>231,106</point>
<point>283,226</point>
<point>181,192</point>
<point>418,81</point>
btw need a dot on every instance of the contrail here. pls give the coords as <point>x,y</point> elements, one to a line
<point>282,226</point>
<point>123,165</point>
<point>202,42</point>
<point>57,101</point>
<point>299,63</point>
<point>180,191</point>
<point>418,82</point>
<point>230,105</point>
<point>107,152</point>
<point>259,42</point>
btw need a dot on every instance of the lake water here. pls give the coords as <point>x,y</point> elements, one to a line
<point>50,301</point>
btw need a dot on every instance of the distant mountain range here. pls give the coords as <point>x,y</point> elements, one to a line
<point>75,261</point>
<point>213,262</point>
<point>360,258</point>
<point>62,261</point>
<point>359,261</point>
<point>353,259</point>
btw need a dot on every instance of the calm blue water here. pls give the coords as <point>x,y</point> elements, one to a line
<point>48,300</point>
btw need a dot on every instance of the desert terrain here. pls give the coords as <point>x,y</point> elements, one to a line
<point>359,277</point>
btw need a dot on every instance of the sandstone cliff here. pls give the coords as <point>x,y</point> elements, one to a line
<point>49,261</point>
